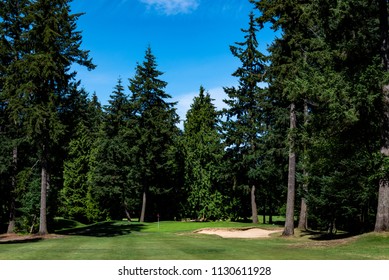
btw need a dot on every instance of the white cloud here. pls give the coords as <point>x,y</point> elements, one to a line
<point>172,7</point>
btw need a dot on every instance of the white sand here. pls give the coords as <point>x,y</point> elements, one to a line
<point>239,233</point>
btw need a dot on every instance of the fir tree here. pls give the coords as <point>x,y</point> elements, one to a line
<point>203,152</point>
<point>13,25</point>
<point>112,159</point>
<point>75,197</point>
<point>154,122</point>
<point>44,80</point>
<point>246,125</point>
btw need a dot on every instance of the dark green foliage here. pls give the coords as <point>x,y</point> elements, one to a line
<point>111,162</point>
<point>154,122</point>
<point>203,153</point>
<point>245,128</point>
<point>76,197</point>
<point>327,70</point>
<point>328,58</point>
<point>39,45</point>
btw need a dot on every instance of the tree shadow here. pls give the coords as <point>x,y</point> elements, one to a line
<point>21,239</point>
<point>325,236</point>
<point>103,229</point>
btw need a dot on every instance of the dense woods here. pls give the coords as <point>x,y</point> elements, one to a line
<point>304,133</point>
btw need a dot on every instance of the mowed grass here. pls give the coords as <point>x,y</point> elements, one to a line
<point>178,241</point>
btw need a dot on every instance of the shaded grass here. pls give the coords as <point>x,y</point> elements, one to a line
<point>176,240</point>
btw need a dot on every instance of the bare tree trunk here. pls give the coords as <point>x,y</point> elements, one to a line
<point>270,210</point>
<point>12,205</point>
<point>264,212</point>
<point>289,219</point>
<point>303,219</point>
<point>126,211</point>
<point>254,210</point>
<point>44,186</point>
<point>142,214</point>
<point>382,218</point>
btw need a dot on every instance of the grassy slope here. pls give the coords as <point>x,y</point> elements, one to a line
<point>176,240</point>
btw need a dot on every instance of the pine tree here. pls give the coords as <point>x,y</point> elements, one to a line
<point>154,122</point>
<point>246,124</point>
<point>203,152</point>
<point>326,60</point>
<point>75,197</point>
<point>44,80</point>
<point>112,159</point>
<point>289,57</point>
<point>13,26</point>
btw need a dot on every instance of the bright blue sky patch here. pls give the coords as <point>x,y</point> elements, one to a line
<point>190,39</point>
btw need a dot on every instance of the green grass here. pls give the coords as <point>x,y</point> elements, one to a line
<point>176,240</point>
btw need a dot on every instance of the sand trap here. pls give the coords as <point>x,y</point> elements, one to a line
<point>239,233</point>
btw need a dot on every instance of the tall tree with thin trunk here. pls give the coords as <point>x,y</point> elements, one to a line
<point>382,217</point>
<point>45,80</point>
<point>13,25</point>
<point>245,126</point>
<point>303,218</point>
<point>154,121</point>
<point>289,218</point>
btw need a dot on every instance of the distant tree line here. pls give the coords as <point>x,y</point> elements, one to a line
<point>311,144</point>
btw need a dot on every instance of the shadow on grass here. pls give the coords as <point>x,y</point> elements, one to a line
<point>104,229</point>
<point>324,236</point>
<point>21,239</point>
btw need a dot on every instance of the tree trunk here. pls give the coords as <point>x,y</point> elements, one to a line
<point>270,211</point>
<point>382,218</point>
<point>12,205</point>
<point>264,212</point>
<point>254,210</point>
<point>142,214</point>
<point>44,186</point>
<point>303,219</point>
<point>289,219</point>
<point>126,211</point>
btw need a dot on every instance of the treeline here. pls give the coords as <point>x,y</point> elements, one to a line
<point>313,143</point>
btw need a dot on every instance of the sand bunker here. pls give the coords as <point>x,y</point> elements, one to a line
<point>239,233</point>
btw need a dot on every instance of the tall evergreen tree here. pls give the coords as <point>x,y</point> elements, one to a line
<point>155,122</point>
<point>75,197</point>
<point>112,160</point>
<point>382,217</point>
<point>323,59</point>
<point>44,80</point>
<point>245,126</point>
<point>203,152</point>
<point>13,25</point>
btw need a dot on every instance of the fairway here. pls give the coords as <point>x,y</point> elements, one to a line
<point>178,241</point>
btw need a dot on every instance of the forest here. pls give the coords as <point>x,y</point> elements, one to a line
<point>312,145</point>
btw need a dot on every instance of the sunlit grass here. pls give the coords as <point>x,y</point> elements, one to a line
<point>177,240</point>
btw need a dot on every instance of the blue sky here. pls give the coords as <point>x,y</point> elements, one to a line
<point>190,39</point>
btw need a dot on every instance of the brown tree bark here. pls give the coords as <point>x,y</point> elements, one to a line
<point>254,210</point>
<point>289,219</point>
<point>12,205</point>
<point>144,200</point>
<point>382,217</point>
<point>303,219</point>
<point>44,187</point>
<point>128,216</point>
